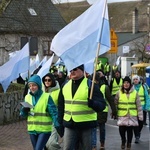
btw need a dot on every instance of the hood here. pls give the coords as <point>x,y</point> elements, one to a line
<point>52,78</point>
<point>36,79</point>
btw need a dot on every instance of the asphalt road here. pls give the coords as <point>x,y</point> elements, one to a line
<point>15,137</point>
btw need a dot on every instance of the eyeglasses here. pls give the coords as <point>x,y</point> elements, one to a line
<point>75,69</point>
<point>47,80</point>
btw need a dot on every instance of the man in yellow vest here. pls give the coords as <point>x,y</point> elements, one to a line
<point>100,66</point>
<point>77,113</point>
<point>114,69</point>
<point>115,83</point>
<point>102,116</point>
<point>107,70</point>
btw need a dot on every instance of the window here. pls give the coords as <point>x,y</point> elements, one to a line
<point>46,48</point>
<point>33,44</point>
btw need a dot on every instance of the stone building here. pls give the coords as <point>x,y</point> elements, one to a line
<point>33,21</point>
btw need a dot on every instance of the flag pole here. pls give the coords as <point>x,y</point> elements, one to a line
<point>97,54</point>
<point>96,61</point>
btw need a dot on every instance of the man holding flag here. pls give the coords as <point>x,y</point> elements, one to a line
<point>76,45</point>
<point>77,112</point>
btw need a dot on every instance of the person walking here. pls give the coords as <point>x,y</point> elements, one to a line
<point>115,83</point>
<point>102,116</point>
<point>41,115</point>
<point>107,70</point>
<point>129,111</point>
<point>145,101</point>
<point>52,87</point>
<point>114,69</point>
<point>77,112</point>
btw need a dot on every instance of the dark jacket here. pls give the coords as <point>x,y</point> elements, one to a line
<point>102,116</point>
<point>97,103</point>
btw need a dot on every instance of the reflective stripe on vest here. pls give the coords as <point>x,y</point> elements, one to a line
<point>102,89</point>
<point>141,95</point>
<point>77,107</point>
<point>41,121</point>
<point>127,105</point>
<point>116,87</point>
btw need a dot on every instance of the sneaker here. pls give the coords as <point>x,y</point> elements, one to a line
<point>137,140</point>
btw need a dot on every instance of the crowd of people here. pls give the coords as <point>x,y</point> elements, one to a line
<point>64,107</point>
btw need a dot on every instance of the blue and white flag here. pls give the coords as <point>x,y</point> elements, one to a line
<point>43,61</point>
<point>37,60</point>
<point>77,42</point>
<point>89,66</point>
<point>16,65</point>
<point>45,68</point>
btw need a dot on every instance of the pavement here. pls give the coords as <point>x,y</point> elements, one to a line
<point>14,136</point>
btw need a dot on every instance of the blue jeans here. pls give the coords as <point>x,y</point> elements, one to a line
<point>94,137</point>
<point>39,140</point>
<point>78,138</point>
<point>102,132</point>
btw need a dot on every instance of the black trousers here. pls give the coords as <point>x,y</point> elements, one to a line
<point>126,133</point>
<point>138,129</point>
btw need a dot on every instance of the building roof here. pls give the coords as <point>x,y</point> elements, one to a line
<point>31,16</point>
<point>125,37</point>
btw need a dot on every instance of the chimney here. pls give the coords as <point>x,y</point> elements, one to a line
<point>135,25</point>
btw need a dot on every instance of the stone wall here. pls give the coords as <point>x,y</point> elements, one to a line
<point>10,106</point>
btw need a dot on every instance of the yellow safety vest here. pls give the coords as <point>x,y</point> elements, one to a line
<point>54,95</point>
<point>41,121</point>
<point>102,89</point>
<point>77,107</point>
<point>141,95</point>
<point>115,68</point>
<point>116,87</point>
<point>127,105</point>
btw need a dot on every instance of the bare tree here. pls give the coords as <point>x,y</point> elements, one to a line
<point>141,48</point>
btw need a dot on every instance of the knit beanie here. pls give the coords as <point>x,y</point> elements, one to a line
<point>81,67</point>
<point>126,78</point>
<point>136,77</point>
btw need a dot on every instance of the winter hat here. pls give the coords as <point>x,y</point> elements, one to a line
<point>126,78</point>
<point>136,77</point>
<point>35,79</point>
<point>81,67</point>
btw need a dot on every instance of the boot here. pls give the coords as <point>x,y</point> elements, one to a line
<point>123,145</point>
<point>102,147</point>
<point>128,146</point>
<point>94,148</point>
<point>137,140</point>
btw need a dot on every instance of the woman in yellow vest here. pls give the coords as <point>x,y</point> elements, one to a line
<point>145,101</point>
<point>129,111</point>
<point>51,86</point>
<point>41,116</point>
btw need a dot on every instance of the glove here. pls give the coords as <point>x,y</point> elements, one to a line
<point>26,110</point>
<point>60,131</point>
<point>113,116</point>
<point>90,102</point>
